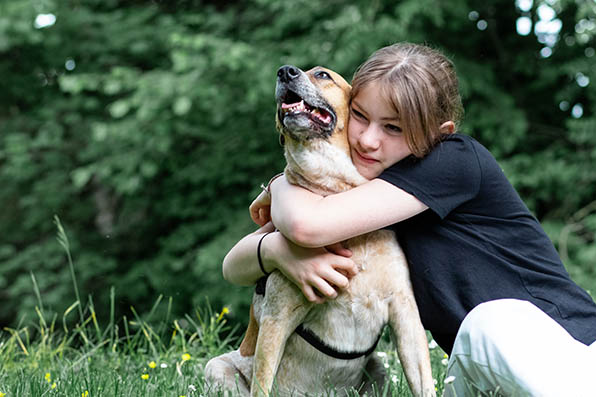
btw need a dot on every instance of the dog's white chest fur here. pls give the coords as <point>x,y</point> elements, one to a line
<point>321,167</point>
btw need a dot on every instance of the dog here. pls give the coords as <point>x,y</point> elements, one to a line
<point>300,347</point>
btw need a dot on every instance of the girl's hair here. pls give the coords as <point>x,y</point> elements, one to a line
<point>421,85</point>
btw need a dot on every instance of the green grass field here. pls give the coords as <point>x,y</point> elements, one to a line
<point>133,358</point>
<point>75,355</point>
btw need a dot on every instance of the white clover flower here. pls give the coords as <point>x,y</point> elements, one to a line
<point>449,379</point>
<point>192,388</point>
<point>432,344</point>
<point>382,354</point>
<point>394,378</point>
<point>444,361</point>
<point>163,365</point>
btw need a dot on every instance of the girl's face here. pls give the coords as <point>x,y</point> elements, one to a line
<point>375,133</point>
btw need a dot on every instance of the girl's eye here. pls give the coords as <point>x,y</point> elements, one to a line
<point>358,114</point>
<point>393,128</point>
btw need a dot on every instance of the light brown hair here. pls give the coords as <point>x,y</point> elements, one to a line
<point>421,85</point>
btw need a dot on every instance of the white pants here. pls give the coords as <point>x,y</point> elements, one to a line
<point>513,347</point>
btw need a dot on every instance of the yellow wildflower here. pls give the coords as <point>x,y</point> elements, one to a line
<point>85,394</point>
<point>224,311</point>
<point>145,376</point>
<point>152,364</point>
<point>2,394</point>
<point>185,357</point>
<point>48,377</point>
<point>54,385</point>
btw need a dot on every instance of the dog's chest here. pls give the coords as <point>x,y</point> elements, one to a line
<point>353,320</point>
<point>350,323</point>
<point>321,168</point>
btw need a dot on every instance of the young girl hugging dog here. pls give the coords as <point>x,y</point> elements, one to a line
<point>488,281</point>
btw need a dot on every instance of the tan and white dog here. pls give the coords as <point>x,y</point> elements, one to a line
<point>304,348</point>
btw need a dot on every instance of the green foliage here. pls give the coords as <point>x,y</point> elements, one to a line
<point>148,126</point>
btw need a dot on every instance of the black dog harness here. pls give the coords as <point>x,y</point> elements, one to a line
<point>314,340</point>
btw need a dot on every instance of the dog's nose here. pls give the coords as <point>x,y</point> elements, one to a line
<point>287,73</point>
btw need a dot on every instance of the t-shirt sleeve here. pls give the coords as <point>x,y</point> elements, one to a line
<point>444,179</point>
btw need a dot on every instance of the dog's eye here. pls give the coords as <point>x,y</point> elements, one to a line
<point>323,75</point>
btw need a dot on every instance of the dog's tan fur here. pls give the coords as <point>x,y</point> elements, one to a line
<point>380,294</point>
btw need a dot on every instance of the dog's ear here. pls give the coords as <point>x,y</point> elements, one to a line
<point>282,140</point>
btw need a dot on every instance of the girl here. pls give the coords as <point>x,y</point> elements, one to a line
<point>488,282</point>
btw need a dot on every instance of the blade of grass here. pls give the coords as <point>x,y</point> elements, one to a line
<point>112,304</point>
<point>15,335</point>
<point>143,326</point>
<point>63,241</point>
<point>36,290</point>
<point>94,318</point>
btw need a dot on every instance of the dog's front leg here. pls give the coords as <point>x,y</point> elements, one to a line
<point>412,346</point>
<point>284,308</point>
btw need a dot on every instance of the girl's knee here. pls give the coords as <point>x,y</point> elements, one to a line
<point>494,322</point>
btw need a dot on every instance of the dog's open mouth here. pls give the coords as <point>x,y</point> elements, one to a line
<point>293,105</point>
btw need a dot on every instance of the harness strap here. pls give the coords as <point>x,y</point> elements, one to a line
<point>321,346</point>
<point>261,285</point>
<point>314,340</point>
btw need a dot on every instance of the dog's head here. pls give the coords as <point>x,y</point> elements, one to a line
<point>311,105</point>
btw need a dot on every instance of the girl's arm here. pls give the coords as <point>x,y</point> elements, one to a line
<point>240,265</point>
<point>310,220</point>
<point>311,269</point>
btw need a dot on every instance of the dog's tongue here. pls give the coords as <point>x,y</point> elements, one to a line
<point>292,105</point>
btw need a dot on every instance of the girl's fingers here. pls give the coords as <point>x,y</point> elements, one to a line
<point>325,289</point>
<point>339,249</point>
<point>263,200</point>
<point>264,216</point>
<point>346,266</point>
<point>310,294</point>
<point>336,278</point>
<point>254,214</point>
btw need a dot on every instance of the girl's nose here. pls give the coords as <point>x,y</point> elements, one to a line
<point>369,138</point>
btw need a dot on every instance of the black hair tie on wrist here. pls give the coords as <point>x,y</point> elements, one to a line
<point>259,255</point>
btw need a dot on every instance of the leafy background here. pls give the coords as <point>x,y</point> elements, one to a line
<point>147,127</point>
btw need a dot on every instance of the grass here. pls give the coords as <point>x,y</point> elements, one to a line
<point>59,363</point>
<point>136,356</point>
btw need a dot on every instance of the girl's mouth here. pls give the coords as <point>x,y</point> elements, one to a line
<point>365,159</point>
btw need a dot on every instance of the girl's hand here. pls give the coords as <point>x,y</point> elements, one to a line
<point>260,208</point>
<point>318,272</point>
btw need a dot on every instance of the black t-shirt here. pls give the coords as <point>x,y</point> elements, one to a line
<point>479,242</point>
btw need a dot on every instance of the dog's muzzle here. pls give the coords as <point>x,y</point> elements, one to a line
<point>302,110</point>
